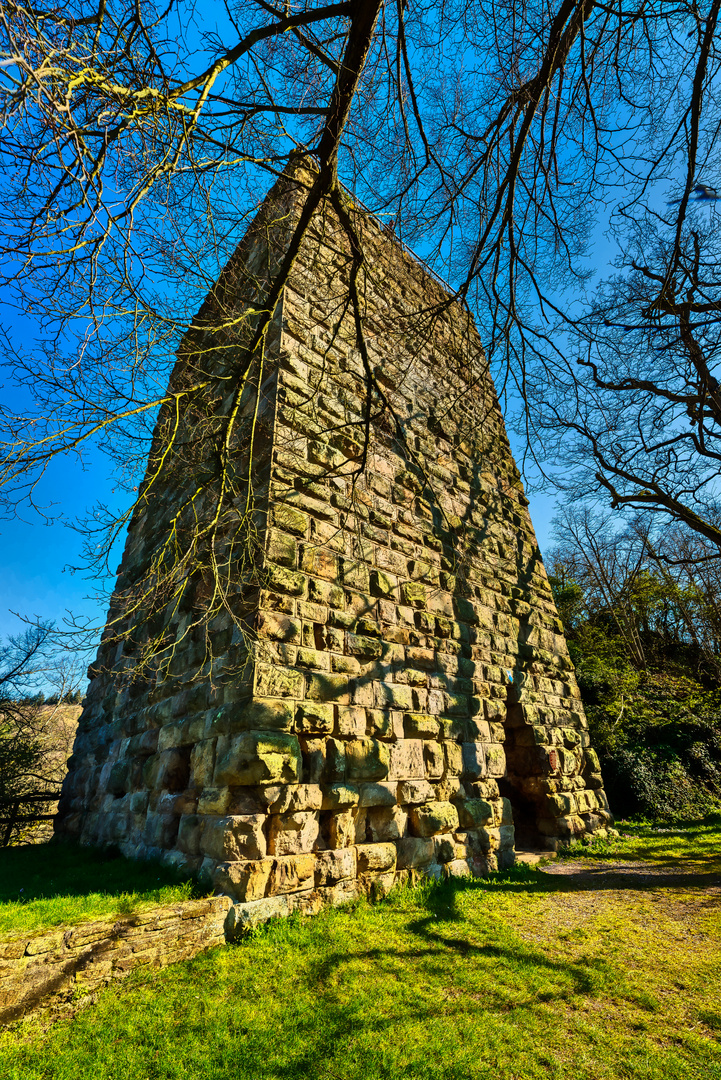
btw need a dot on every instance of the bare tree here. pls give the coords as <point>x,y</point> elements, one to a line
<point>606,563</point>
<point>644,581</point>
<point>635,413</point>
<point>35,737</point>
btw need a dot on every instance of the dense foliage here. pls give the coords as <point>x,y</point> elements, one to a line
<point>646,667</point>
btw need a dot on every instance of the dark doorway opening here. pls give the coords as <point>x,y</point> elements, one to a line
<point>522,769</point>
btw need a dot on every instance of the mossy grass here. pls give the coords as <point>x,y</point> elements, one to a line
<point>48,885</point>
<point>695,841</point>
<point>526,976</point>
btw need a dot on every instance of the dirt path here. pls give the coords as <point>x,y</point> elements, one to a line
<point>589,874</point>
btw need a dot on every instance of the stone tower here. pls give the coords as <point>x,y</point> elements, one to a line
<point>406,697</point>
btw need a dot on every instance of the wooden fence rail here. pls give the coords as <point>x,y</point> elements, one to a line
<point>15,802</point>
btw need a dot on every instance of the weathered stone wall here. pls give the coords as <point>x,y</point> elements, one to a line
<point>410,692</point>
<point>48,970</point>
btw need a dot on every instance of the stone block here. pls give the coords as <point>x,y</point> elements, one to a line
<point>351,720</point>
<point>287,798</point>
<point>324,592</point>
<point>278,627</point>
<point>586,801</point>
<point>291,873</point>
<point>333,866</point>
<point>271,714</point>
<point>314,718</point>
<point>143,744</point>
<point>507,835</point>
<point>393,562</point>
<point>474,760</point>
<point>329,688</point>
<point>420,726</point>
<point>189,832</point>
<point>369,648</point>
<point>406,760</point>
<point>456,704</point>
<point>341,828</point>
<point>319,453</point>
<point>473,813</point>
<point>433,759</point>
<point>202,763</point>
<point>161,830</point>
<point>362,692</point>
<point>243,881</point>
<point>257,757</point>
<point>139,802</point>
<point>433,818</point>
<point>213,800</point>
<point>379,723</point>
<point>355,575</point>
<point>388,696</point>
<point>479,729</point>
<point>283,580</point>
<point>413,594</point>
<point>414,852</point>
<point>383,794</point>
<point>414,792</point>
<point>281,548</point>
<point>489,839</point>
<point>338,796</point>
<point>458,868</point>
<point>387,823</point>
<point>234,838</point>
<point>181,733</point>
<point>376,857</point>
<point>270,601</point>
<point>117,782</point>
<point>168,771</point>
<point>453,753</point>
<point>294,833</point>
<point>324,760</point>
<point>591,760</point>
<point>495,760</point>
<point>272,681</point>
<point>382,584</point>
<point>344,892</point>
<point>289,519</point>
<point>345,665</point>
<point>561,804</point>
<point>319,563</point>
<point>367,759</point>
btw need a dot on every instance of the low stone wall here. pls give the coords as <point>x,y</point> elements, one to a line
<point>56,967</point>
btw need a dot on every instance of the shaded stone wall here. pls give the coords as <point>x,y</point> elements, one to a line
<point>410,690</point>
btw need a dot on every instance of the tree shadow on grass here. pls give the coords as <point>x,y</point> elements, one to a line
<point>441,898</point>
<point>43,871</point>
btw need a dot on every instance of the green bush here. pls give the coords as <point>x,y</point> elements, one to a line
<point>657,734</point>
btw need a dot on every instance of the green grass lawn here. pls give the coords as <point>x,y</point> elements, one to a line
<point>528,975</point>
<point>48,885</point>
<point>687,845</point>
